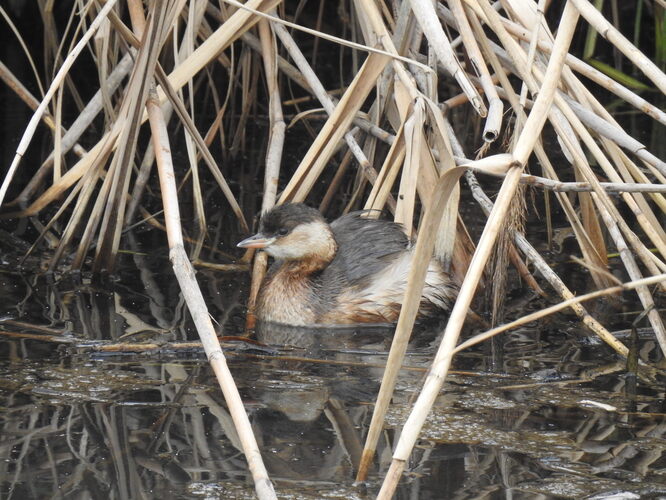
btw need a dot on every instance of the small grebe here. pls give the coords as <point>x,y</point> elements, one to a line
<point>351,271</point>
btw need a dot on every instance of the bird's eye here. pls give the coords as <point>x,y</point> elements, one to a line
<point>283,231</point>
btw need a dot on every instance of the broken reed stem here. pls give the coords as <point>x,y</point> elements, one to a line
<point>426,15</point>
<point>192,293</point>
<point>495,105</point>
<point>521,152</point>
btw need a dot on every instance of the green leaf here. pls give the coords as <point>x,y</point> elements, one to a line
<point>619,76</point>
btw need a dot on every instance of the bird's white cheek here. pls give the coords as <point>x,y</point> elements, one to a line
<point>288,250</point>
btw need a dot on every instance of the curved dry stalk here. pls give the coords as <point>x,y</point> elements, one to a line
<point>440,198</point>
<point>422,255</point>
<point>325,36</point>
<point>26,96</point>
<point>28,56</point>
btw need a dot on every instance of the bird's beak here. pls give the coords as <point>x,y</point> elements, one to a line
<point>256,241</point>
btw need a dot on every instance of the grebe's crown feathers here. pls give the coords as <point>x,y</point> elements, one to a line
<point>287,217</point>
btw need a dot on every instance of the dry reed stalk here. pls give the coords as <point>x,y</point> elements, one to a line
<point>408,312</point>
<point>381,190</point>
<point>320,93</point>
<point>590,253</point>
<point>546,271</point>
<point>57,81</point>
<point>593,74</point>
<point>448,241</point>
<point>635,274</point>
<point>425,14</point>
<point>404,210</point>
<point>594,248</point>
<point>612,141</point>
<point>495,106</point>
<point>120,169</point>
<point>79,126</point>
<point>542,313</point>
<point>609,187</point>
<point>334,129</point>
<point>236,25</point>
<point>194,133</point>
<point>365,48</point>
<point>196,304</point>
<point>195,11</point>
<point>610,33</point>
<point>521,152</point>
<point>604,203</point>
<point>607,209</point>
<point>333,187</point>
<point>24,94</point>
<point>24,48</point>
<point>273,154</point>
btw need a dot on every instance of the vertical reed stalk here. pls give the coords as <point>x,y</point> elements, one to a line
<point>521,152</point>
<point>195,301</point>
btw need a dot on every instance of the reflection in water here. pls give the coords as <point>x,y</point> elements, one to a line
<point>81,422</point>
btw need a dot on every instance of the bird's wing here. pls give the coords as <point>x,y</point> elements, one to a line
<point>365,247</point>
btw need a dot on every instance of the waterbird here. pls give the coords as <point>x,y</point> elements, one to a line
<point>353,270</point>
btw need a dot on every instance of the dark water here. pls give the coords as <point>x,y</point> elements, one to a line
<point>147,420</point>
